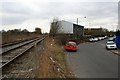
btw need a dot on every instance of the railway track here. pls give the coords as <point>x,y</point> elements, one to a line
<point>10,53</point>
<point>10,46</point>
<point>15,42</point>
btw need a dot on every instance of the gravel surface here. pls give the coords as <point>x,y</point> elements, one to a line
<point>25,66</point>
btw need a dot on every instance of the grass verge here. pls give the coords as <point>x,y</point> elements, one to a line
<point>53,61</point>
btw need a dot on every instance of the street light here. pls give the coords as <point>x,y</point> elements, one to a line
<point>80,17</point>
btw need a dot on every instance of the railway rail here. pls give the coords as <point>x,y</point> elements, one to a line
<point>16,42</point>
<point>10,53</point>
<point>13,46</point>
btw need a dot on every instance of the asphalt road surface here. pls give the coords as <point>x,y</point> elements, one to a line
<point>92,60</point>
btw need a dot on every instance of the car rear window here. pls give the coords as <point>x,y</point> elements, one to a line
<point>71,44</point>
<point>110,40</point>
<point>110,43</point>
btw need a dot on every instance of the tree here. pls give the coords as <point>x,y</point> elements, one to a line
<point>25,31</point>
<point>15,31</point>
<point>54,27</point>
<point>38,30</point>
<point>3,31</point>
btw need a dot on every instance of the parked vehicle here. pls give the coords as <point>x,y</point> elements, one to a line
<point>111,45</point>
<point>106,37</point>
<point>93,39</point>
<point>111,39</point>
<point>100,38</point>
<point>71,46</point>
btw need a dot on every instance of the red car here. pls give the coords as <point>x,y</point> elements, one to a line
<point>71,46</point>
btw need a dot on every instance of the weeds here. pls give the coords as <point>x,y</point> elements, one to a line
<point>53,61</point>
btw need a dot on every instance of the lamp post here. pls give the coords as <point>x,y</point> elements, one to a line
<point>80,17</point>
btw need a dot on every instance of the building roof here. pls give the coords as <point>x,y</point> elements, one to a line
<point>78,25</point>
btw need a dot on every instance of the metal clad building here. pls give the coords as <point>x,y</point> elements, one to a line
<point>78,30</point>
<point>71,28</point>
<point>65,27</point>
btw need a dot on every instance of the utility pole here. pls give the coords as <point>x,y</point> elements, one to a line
<point>77,20</point>
<point>80,17</point>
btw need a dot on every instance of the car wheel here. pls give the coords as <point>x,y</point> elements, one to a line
<point>75,50</point>
<point>106,48</point>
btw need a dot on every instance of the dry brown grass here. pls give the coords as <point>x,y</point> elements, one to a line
<point>53,61</point>
<point>11,38</point>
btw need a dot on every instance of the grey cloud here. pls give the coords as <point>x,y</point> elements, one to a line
<point>13,20</point>
<point>97,10</point>
<point>93,10</point>
<point>14,7</point>
<point>19,13</point>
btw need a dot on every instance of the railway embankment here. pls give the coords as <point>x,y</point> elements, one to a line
<point>53,61</point>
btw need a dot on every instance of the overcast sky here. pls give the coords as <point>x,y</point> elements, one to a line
<point>28,14</point>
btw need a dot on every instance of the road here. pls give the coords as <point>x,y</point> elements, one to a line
<point>92,60</point>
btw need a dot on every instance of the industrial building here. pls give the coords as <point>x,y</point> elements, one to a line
<point>65,27</point>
